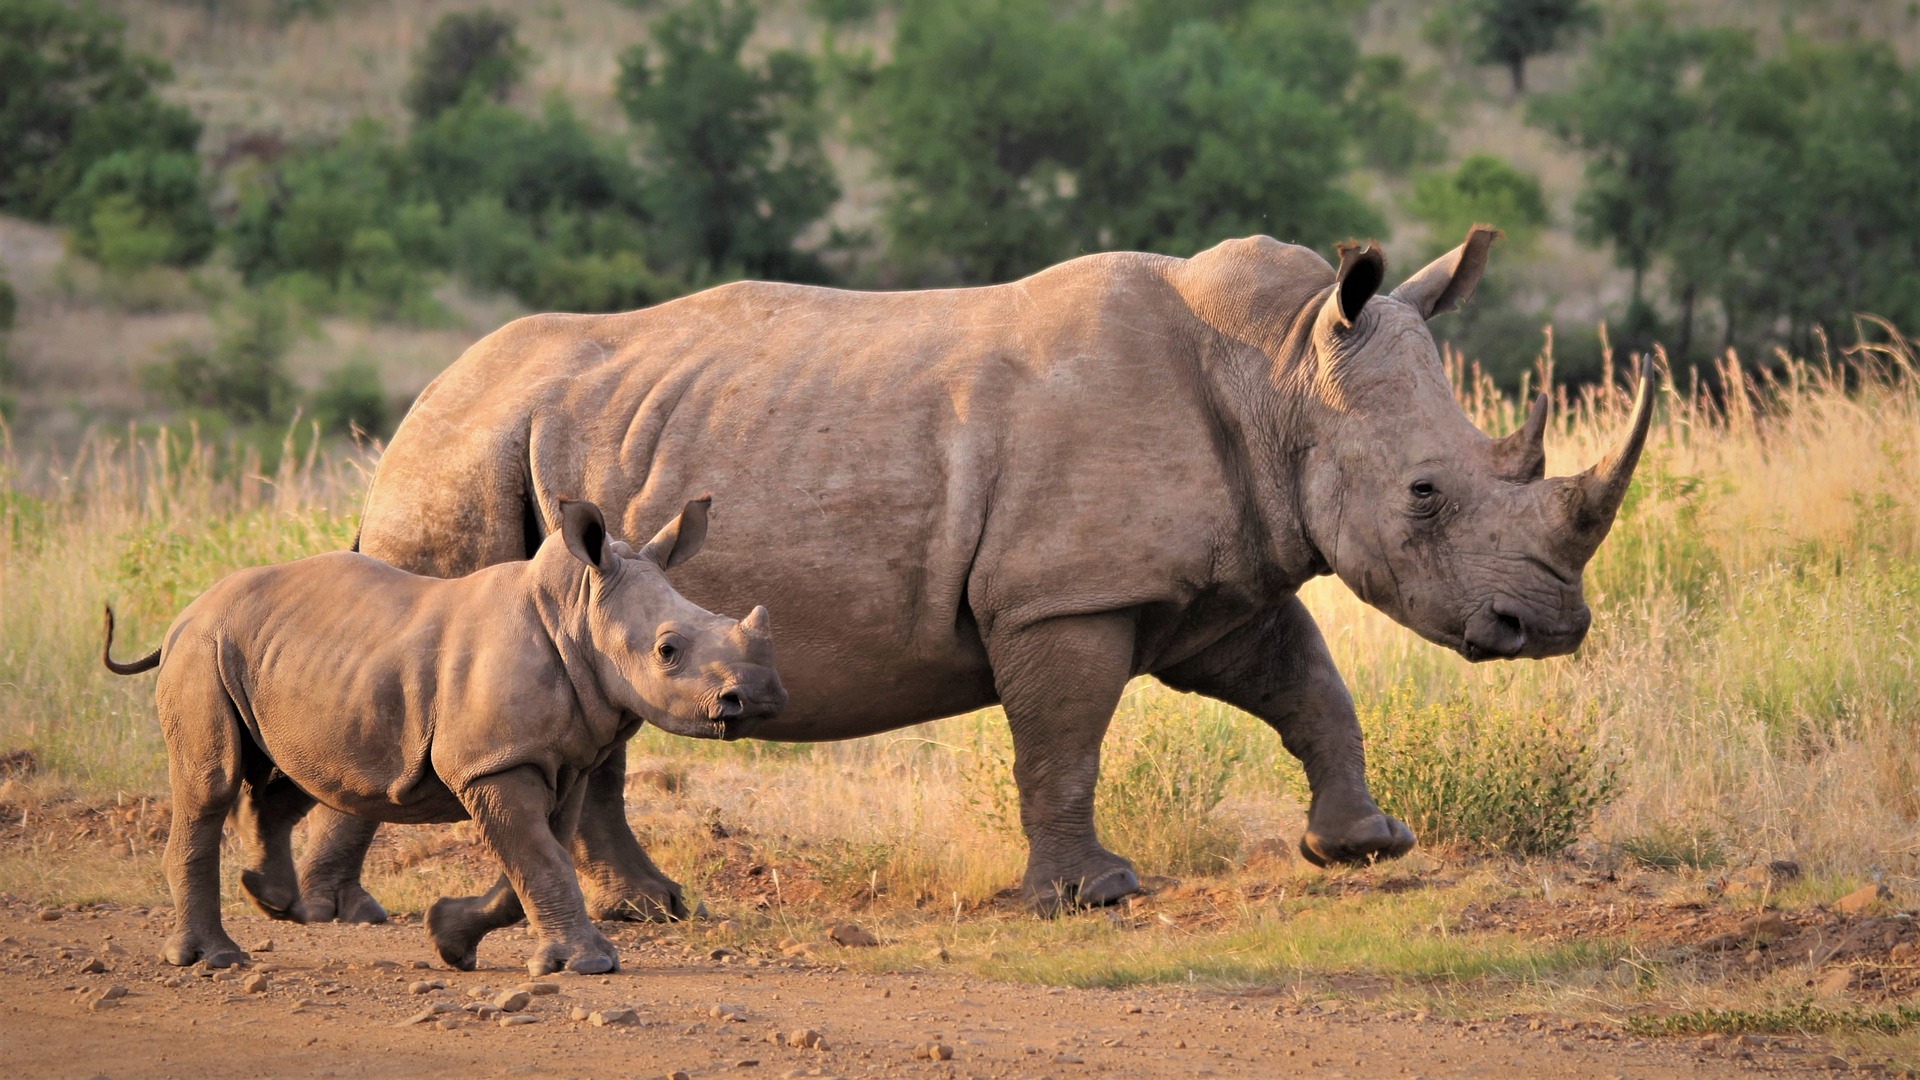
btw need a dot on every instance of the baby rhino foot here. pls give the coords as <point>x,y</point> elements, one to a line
<point>594,956</point>
<point>217,950</point>
<point>456,926</point>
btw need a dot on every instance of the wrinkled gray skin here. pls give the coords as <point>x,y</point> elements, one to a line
<point>1025,494</point>
<point>411,699</point>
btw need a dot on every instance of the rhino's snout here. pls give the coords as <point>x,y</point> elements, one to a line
<point>740,708</point>
<point>1508,631</point>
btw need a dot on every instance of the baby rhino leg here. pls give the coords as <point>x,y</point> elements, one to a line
<point>203,767</point>
<point>269,807</point>
<point>528,830</point>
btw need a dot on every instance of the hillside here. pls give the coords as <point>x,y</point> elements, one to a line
<point>261,80</point>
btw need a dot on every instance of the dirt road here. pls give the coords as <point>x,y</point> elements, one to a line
<point>335,1001</point>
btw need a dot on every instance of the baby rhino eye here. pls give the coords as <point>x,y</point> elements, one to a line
<point>1423,489</point>
<point>666,651</point>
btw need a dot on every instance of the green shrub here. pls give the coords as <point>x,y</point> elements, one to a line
<point>9,305</point>
<point>141,208</point>
<point>351,396</point>
<point>1461,773</point>
<point>243,376</point>
<point>70,95</point>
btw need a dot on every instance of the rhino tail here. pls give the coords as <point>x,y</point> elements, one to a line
<point>145,663</point>
<point>355,546</point>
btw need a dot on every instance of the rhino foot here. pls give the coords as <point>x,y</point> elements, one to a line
<point>1360,840</point>
<point>275,899</point>
<point>346,902</point>
<point>456,925</point>
<point>1050,892</point>
<point>593,956</point>
<point>649,898</point>
<point>216,950</point>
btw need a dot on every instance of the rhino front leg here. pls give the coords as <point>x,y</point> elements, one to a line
<point>1059,682</point>
<point>330,886</point>
<point>619,880</point>
<point>527,828</point>
<point>1277,668</point>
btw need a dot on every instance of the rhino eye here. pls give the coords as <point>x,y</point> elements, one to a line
<point>666,651</point>
<point>1423,489</point>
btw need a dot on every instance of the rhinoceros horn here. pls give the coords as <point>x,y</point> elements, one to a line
<point>1598,492</point>
<point>1524,453</point>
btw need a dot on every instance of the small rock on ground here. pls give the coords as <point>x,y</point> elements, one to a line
<point>606,1017</point>
<point>254,984</point>
<point>1862,900</point>
<point>806,1039</point>
<point>512,1001</point>
<point>933,1051</point>
<point>852,936</point>
<point>516,1019</point>
<point>426,986</point>
<point>540,989</point>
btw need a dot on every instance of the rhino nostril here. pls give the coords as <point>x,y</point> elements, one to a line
<point>730,705</point>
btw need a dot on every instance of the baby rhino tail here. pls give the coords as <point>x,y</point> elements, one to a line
<point>145,663</point>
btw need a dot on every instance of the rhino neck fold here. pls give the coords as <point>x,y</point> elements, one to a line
<point>563,607</point>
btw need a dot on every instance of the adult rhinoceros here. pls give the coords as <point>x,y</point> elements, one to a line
<point>1026,494</point>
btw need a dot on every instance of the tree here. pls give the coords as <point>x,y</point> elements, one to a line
<point>1628,109</point>
<point>981,121</point>
<point>1020,132</point>
<point>467,52</point>
<point>736,172</point>
<point>136,208</point>
<point>1495,329</point>
<point>70,95</point>
<point>1511,32</point>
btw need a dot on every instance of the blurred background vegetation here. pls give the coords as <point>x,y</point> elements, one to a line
<point>242,211</point>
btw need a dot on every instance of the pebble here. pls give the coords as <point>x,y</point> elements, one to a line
<point>1862,900</point>
<point>446,1023</point>
<point>540,989</point>
<point>485,1010</point>
<point>479,992</point>
<point>746,1063</point>
<point>852,936</point>
<point>426,986</point>
<point>255,984</point>
<point>799,949</point>
<point>47,914</point>
<point>731,1014</point>
<point>606,1017</point>
<point>263,945</point>
<point>1067,1059</point>
<point>933,1051</point>
<point>806,1039</point>
<point>420,1017</point>
<point>512,1001</point>
<point>95,966</point>
<point>679,1074</point>
<point>518,1019</point>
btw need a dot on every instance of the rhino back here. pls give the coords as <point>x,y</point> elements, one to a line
<point>892,473</point>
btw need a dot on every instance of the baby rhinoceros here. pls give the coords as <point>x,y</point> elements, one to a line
<point>414,699</point>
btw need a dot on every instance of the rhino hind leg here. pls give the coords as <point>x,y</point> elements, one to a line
<point>1059,682</point>
<point>619,880</point>
<point>204,769</point>
<point>268,808</point>
<point>330,889</point>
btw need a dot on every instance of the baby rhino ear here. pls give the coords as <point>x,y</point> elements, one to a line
<point>585,532</point>
<point>682,537</point>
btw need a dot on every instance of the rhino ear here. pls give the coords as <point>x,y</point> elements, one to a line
<point>682,537</point>
<point>1362,268</point>
<point>1448,281</point>
<point>585,532</point>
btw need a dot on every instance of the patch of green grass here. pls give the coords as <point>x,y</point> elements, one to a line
<point>1668,846</point>
<point>1802,1018</point>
